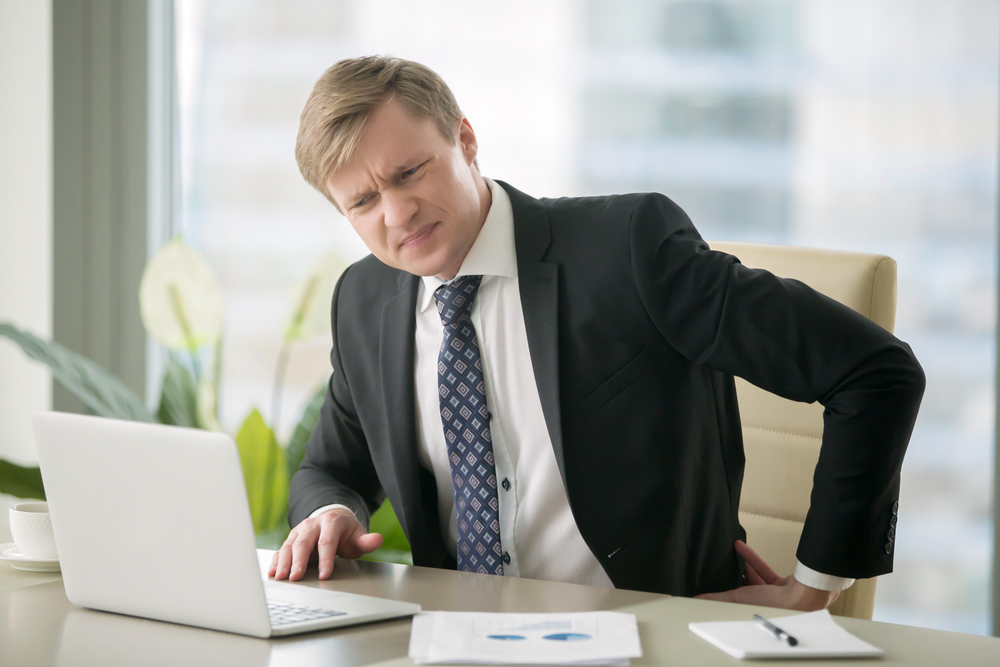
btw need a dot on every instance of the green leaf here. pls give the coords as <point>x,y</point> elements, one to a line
<point>178,397</point>
<point>101,392</point>
<point>297,445</point>
<point>395,548</point>
<point>264,473</point>
<point>22,482</point>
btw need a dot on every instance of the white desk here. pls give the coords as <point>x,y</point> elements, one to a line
<point>38,626</point>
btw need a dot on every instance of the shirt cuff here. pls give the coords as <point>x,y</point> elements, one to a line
<point>327,508</point>
<point>824,582</point>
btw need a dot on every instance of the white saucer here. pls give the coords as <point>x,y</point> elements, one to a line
<point>10,553</point>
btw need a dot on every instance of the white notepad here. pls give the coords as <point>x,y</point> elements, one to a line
<point>818,636</point>
<point>584,638</point>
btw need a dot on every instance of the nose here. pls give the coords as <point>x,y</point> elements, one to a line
<point>398,209</point>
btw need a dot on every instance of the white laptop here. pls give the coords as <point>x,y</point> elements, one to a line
<point>153,521</point>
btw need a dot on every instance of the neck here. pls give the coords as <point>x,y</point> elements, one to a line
<point>485,202</point>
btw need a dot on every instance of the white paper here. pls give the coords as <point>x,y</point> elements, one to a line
<point>817,634</point>
<point>590,638</point>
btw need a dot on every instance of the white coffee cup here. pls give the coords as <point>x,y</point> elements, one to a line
<point>31,527</point>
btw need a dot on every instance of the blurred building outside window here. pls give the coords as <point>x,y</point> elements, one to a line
<point>832,123</point>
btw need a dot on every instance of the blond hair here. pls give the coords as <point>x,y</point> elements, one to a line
<point>346,97</point>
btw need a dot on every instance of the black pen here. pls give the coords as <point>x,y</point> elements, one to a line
<point>773,629</point>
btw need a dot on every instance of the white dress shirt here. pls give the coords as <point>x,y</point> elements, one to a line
<point>537,528</point>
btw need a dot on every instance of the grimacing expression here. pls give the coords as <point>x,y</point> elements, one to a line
<point>411,194</point>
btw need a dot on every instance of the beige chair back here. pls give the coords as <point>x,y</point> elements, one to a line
<point>782,437</point>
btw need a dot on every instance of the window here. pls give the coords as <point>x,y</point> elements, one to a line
<point>852,125</point>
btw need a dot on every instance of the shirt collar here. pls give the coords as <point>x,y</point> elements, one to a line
<point>493,252</point>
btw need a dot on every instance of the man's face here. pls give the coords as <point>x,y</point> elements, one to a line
<point>412,196</point>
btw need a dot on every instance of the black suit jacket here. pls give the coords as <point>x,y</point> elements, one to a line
<point>636,330</point>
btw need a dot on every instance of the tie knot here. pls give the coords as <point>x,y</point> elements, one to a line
<point>454,300</point>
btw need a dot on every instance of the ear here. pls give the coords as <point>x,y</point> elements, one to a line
<point>467,140</point>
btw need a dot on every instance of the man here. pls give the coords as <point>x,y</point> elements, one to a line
<point>544,388</point>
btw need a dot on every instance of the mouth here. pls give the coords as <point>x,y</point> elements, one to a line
<point>419,237</point>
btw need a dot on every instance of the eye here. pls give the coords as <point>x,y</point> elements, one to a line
<point>361,202</point>
<point>410,172</point>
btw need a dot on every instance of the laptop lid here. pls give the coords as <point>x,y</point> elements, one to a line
<point>152,521</point>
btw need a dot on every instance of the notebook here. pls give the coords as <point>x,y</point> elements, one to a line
<point>817,634</point>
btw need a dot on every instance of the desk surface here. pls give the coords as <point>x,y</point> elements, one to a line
<point>38,625</point>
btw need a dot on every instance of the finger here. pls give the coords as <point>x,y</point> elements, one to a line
<point>285,556</point>
<point>302,549</point>
<point>329,539</point>
<point>369,542</point>
<point>752,576</point>
<point>752,558</point>
<point>274,564</point>
<point>357,542</point>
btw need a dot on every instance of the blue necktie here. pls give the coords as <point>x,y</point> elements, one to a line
<point>466,421</point>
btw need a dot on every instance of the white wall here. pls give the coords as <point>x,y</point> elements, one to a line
<point>25,213</point>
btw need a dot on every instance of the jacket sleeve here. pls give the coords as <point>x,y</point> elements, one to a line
<point>788,339</point>
<point>337,467</point>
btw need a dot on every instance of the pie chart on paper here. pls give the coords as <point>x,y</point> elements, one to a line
<point>568,637</point>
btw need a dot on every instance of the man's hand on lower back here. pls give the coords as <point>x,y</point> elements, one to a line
<point>768,589</point>
<point>322,538</point>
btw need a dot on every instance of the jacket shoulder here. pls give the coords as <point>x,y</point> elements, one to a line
<point>369,279</point>
<point>615,209</point>
<point>592,207</point>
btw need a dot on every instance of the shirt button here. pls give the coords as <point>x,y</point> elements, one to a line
<point>505,484</point>
<point>506,558</point>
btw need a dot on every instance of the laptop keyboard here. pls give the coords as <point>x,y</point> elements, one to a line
<point>283,613</point>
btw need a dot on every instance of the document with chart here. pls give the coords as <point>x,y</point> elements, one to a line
<point>589,638</point>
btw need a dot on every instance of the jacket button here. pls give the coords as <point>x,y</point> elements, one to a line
<point>506,558</point>
<point>892,521</point>
<point>892,534</point>
<point>888,547</point>
<point>505,484</point>
<point>895,507</point>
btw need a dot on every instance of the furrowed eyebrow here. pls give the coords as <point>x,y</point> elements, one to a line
<point>358,196</point>
<point>406,167</point>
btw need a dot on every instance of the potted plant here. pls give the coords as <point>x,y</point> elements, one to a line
<point>182,308</point>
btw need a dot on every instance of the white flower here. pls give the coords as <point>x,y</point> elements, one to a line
<point>312,301</point>
<point>180,299</point>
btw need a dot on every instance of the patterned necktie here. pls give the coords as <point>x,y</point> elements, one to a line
<point>466,420</point>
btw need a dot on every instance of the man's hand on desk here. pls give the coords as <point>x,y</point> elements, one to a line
<point>768,589</point>
<point>333,533</point>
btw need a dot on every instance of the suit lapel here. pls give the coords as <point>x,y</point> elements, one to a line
<point>396,362</point>
<point>538,284</point>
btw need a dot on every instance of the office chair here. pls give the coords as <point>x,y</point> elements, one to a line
<point>781,437</point>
